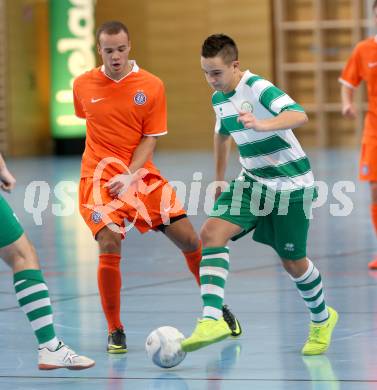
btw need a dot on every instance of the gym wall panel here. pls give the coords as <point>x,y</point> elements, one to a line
<point>27,64</point>
<point>166,38</point>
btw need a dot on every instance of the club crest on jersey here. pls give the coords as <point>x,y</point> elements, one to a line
<point>96,217</point>
<point>247,107</point>
<point>140,98</point>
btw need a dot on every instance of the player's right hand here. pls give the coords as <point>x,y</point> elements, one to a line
<point>249,120</point>
<point>119,184</point>
<point>349,111</point>
<point>8,181</point>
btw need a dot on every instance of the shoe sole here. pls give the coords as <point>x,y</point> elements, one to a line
<point>116,351</point>
<point>201,344</point>
<point>335,313</point>
<point>52,367</point>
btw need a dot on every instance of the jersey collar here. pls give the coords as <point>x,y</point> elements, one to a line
<point>245,76</point>
<point>135,69</point>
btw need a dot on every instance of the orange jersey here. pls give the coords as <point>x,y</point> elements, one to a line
<point>362,65</point>
<point>118,114</point>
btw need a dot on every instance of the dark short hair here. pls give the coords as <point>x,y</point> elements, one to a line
<point>111,27</point>
<point>220,45</point>
<point>374,4</point>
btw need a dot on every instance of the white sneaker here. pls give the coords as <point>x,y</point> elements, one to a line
<point>63,357</point>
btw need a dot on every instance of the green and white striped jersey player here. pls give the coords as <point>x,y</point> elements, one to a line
<point>31,290</point>
<point>260,118</point>
<point>273,158</point>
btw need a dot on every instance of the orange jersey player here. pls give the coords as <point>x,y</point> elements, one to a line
<point>362,65</point>
<point>125,111</point>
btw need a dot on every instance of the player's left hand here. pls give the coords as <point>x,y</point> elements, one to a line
<point>119,184</point>
<point>8,181</point>
<point>250,121</point>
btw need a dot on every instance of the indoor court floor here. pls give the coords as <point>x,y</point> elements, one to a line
<point>159,290</point>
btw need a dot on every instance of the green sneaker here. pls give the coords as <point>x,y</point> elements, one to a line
<point>320,335</point>
<point>207,332</point>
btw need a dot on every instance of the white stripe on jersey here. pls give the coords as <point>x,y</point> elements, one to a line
<point>259,86</point>
<point>286,183</point>
<point>281,102</point>
<point>277,158</point>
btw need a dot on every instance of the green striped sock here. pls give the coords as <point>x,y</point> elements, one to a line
<point>213,273</point>
<point>310,288</point>
<point>33,298</point>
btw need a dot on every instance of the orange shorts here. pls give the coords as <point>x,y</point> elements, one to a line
<point>368,161</point>
<point>147,204</point>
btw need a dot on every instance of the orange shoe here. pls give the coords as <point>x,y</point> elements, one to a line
<point>373,264</point>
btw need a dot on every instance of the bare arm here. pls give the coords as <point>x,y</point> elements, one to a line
<point>2,162</point>
<point>348,108</point>
<point>142,154</point>
<point>7,179</point>
<point>285,120</point>
<point>222,146</point>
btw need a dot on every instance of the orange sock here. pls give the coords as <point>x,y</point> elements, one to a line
<point>193,260</point>
<point>373,210</point>
<point>109,285</point>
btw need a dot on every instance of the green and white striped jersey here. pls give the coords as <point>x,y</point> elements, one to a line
<point>273,158</point>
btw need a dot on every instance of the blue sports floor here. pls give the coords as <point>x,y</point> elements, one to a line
<point>158,290</point>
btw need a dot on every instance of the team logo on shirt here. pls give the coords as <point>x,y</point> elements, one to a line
<point>96,217</point>
<point>94,100</point>
<point>247,107</point>
<point>140,98</point>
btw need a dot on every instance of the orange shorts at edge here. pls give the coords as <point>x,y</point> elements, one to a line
<point>149,203</point>
<point>368,161</point>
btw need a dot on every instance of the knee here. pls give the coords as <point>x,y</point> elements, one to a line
<point>191,242</point>
<point>217,232</point>
<point>296,268</point>
<point>109,243</point>
<point>206,235</point>
<point>22,257</point>
<point>289,267</point>
<point>31,255</point>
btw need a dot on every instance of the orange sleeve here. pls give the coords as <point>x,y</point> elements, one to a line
<point>155,122</point>
<point>352,73</point>
<point>79,110</point>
